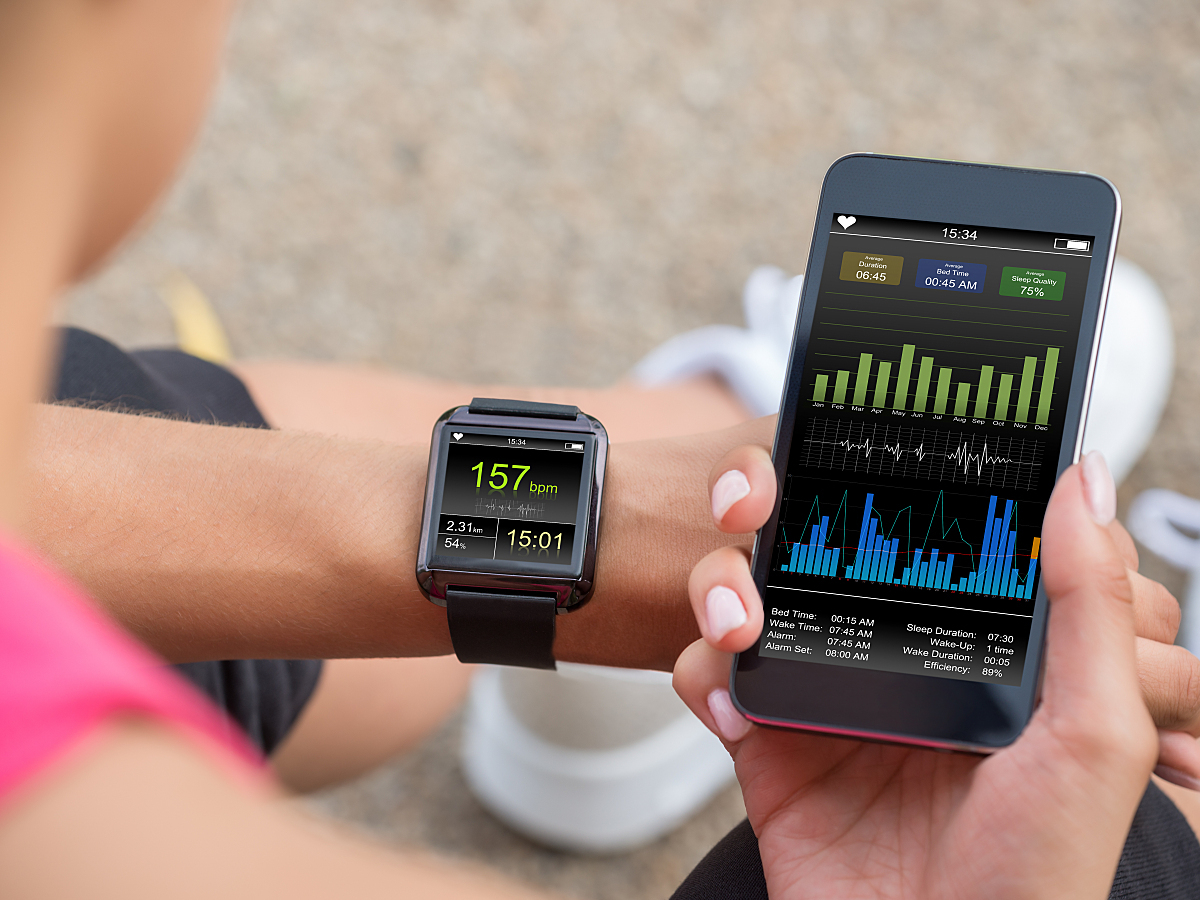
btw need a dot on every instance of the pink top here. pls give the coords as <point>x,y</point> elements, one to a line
<point>65,669</point>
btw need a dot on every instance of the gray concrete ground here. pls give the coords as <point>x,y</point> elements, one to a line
<point>539,192</point>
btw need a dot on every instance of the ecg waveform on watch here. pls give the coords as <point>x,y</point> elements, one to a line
<point>910,452</point>
<point>508,508</point>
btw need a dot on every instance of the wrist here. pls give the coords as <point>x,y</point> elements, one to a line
<point>657,525</point>
<point>374,555</point>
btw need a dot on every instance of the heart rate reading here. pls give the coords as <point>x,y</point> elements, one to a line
<point>911,452</point>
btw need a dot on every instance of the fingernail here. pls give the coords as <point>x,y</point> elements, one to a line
<point>729,489</point>
<point>1098,488</point>
<point>730,723</point>
<point>1179,758</point>
<point>724,611</point>
<point>1166,773</point>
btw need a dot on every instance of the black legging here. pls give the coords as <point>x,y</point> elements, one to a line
<point>1161,860</point>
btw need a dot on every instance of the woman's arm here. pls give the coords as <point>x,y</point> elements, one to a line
<point>216,543</point>
<point>138,812</point>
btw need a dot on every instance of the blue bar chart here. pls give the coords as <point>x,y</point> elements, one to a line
<point>879,558</point>
<point>814,558</point>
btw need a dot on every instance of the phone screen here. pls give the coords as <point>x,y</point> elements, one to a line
<point>930,419</point>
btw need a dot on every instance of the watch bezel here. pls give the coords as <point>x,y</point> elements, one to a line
<point>572,588</point>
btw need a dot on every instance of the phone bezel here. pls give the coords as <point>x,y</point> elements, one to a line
<point>916,709</point>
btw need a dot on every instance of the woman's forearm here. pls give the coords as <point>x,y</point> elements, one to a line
<point>214,543</point>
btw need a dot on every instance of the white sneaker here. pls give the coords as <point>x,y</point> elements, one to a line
<point>752,360</point>
<point>1133,372</point>
<point>588,759</point>
<point>1167,523</point>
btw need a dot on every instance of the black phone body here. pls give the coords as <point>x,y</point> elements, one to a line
<point>939,379</point>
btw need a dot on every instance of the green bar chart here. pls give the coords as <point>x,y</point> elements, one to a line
<point>947,390</point>
<point>1047,389</point>
<point>906,358</point>
<point>839,387</point>
<point>921,398</point>
<point>985,391</point>
<point>943,390</point>
<point>1025,394</point>
<point>864,376</point>
<point>1002,396</point>
<point>963,398</point>
<point>882,377</point>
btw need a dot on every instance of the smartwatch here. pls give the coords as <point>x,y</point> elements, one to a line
<point>510,525</point>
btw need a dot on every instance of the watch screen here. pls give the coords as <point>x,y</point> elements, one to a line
<point>510,498</point>
<point>927,432</point>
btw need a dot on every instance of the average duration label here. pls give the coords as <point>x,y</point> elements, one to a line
<point>872,268</point>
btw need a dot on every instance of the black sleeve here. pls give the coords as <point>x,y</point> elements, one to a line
<point>95,372</point>
<point>1161,860</point>
<point>732,870</point>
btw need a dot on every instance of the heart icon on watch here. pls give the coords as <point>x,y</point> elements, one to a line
<point>846,221</point>
<point>458,435</point>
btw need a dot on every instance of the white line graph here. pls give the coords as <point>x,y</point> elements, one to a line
<point>995,461</point>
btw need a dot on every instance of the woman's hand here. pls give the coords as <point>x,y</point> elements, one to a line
<point>1169,674</point>
<point>742,487</point>
<point>1047,815</point>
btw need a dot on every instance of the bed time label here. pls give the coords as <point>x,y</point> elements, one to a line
<point>1039,283</point>
<point>871,268</point>
<point>951,276</point>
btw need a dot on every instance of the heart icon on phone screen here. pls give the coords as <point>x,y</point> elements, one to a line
<point>846,221</point>
<point>458,435</point>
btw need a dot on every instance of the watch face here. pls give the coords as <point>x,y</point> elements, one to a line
<point>511,500</point>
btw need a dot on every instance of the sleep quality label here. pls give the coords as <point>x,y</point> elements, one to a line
<point>1040,283</point>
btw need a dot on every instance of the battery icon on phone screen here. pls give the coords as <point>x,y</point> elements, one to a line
<point>1071,244</point>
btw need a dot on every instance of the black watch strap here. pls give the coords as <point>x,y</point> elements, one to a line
<point>490,407</point>
<point>502,628</point>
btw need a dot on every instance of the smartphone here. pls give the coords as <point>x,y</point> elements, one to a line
<point>938,385</point>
